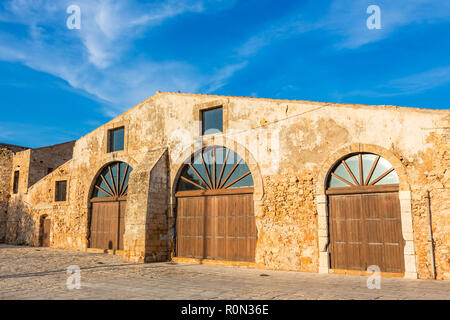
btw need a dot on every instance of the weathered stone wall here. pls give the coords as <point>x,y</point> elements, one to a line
<point>11,225</point>
<point>43,159</point>
<point>285,144</point>
<point>24,217</point>
<point>21,163</point>
<point>6,159</point>
<point>26,210</point>
<point>158,235</point>
<point>146,223</point>
<point>291,140</point>
<point>69,227</point>
<point>288,227</point>
<point>430,172</point>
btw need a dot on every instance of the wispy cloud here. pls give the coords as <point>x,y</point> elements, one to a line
<point>421,82</point>
<point>280,30</point>
<point>221,76</point>
<point>412,84</point>
<point>99,58</point>
<point>346,19</point>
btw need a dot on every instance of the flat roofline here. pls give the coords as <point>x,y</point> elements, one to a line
<point>321,103</point>
<point>318,103</point>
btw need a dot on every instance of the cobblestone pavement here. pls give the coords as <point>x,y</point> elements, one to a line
<point>40,273</point>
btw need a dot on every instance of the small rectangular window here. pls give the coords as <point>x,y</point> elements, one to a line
<point>60,190</point>
<point>16,182</point>
<point>212,121</point>
<point>116,138</point>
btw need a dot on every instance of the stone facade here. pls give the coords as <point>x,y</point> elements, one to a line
<point>6,168</point>
<point>23,218</point>
<point>289,146</point>
<point>6,157</point>
<point>432,174</point>
<point>288,226</point>
<point>45,160</point>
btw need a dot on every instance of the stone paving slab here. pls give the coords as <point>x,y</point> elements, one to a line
<point>40,273</point>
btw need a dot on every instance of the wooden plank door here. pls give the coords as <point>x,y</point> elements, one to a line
<point>105,225</point>
<point>216,227</point>
<point>237,236</point>
<point>365,230</point>
<point>190,227</point>
<point>383,232</point>
<point>46,233</point>
<point>346,241</point>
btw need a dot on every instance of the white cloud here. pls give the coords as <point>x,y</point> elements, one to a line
<point>347,19</point>
<point>221,76</point>
<point>409,85</point>
<point>96,58</point>
<point>280,30</point>
<point>422,81</point>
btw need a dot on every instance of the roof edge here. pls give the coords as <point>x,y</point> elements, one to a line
<point>55,145</point>
<point>321,103</point>
<point>13,146</point>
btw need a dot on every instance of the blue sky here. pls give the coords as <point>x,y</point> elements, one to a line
<point>58,84</point>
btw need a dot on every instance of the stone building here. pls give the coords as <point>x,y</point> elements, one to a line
<point>264,183</point>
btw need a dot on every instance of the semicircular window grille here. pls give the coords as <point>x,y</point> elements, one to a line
<point>215,168</point>
<point>113,181</point>
<point>364,169</point>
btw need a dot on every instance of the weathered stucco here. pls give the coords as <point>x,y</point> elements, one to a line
<point>48,158</point>
<point>431,172</point>
<point>6,171</point>
<point>289,146</point>
<point>6,158</point>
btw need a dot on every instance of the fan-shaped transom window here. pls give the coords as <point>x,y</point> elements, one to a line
<point>215,168</point>
<point>363,169</point>
<point>113,181</point>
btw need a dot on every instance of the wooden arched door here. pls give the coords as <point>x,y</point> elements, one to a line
<point>364,215</point>
<point>215,215</point>
<point>108,207</point>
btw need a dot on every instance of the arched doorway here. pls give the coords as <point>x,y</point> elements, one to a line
<point>364,215</point>
<point>215,210</point>
<point>108,206</point>
<point>44,231</point>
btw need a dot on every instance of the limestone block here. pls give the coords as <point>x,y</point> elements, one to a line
<point>323,243</point>
<point>410,263</point>
<point>409,248</point>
